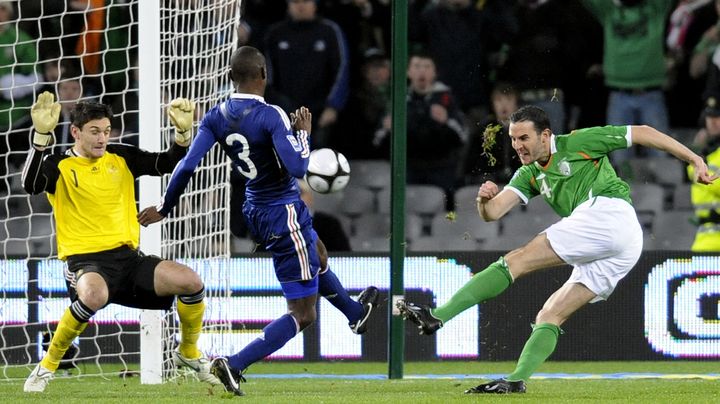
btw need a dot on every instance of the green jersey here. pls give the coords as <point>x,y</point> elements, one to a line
<point>578,169</point>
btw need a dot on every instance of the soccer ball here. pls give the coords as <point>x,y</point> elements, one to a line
<point>328,171</point>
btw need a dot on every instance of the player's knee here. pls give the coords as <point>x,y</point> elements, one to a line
<point>547,315</point>
<point>305,317</point>
<point>188,282</point>
<point>92,290</point>
<point>514,262</point>
<point>94,298</point>
<point>193,283</point>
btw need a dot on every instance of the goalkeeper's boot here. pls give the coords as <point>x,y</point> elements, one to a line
<point>420,315</point>
<point>38,380</point>
<point>368,298</point>
<point>201,366</point>
<point>229,377</point>
<point>498,386</point>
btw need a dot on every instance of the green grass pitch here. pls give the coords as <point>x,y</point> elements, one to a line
<point>439,389</point>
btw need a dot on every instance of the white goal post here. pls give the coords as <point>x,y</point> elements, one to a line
<point>137,56</point>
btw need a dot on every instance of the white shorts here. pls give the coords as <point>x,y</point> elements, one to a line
<point>602,240</point>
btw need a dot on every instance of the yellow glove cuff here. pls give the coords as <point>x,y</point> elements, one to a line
<point>42,140</point>
<point>183,138</point>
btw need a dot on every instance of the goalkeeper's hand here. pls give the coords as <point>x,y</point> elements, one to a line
<point>45,114</point>
<point>181,112</point>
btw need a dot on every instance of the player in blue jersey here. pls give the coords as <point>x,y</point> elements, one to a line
<point>271,150</point>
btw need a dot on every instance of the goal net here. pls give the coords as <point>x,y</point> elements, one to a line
<point>92,52</point>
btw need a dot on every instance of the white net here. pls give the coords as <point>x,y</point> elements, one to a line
<point>92,53</point>
<point>197,39</point>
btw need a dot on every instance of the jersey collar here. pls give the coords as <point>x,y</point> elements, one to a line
<point>553,150</point>
<point>246,96</point>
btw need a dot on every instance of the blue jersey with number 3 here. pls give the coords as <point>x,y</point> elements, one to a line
<point>260,141</point>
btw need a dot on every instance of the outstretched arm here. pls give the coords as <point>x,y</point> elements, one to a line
<point>180,177</point>
<point>651,137</point>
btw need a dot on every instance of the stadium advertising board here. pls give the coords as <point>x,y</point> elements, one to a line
<point>668,307</point>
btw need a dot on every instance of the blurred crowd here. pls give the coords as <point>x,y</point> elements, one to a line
<point>471,63</point>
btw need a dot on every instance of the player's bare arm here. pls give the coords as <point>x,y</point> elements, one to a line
<point>650,137</point>
<point>492,204</point>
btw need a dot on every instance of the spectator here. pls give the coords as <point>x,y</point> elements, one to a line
<point>435,128</point>
<point>307,60</point>
<point>462,53</point>
<point>70,91</point>
<point>18,81</point>
<point>477,166</point>
<point>368,105</point>
<point>687,25</point>
<point>706,198</point>
<point>126,121</point>
<point>546,57</point>
<point>18,78</point>
<point>634,65</point>
<point>257,17</point>
<point>365,24</point>
<point>704,49</point>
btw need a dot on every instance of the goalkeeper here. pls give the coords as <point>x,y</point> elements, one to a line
<point>92,191</point>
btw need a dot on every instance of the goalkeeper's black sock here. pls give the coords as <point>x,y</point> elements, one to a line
<point>331,289</point>
<point>72,324</point>
<point>275,335</point>
<point>190,309</point>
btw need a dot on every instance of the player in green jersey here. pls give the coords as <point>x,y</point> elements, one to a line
<point>599,236</point>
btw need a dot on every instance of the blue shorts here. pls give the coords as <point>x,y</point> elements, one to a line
<point>286,231</point>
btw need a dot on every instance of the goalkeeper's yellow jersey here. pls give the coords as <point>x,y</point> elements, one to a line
<point>94,205</point>
<point>94,199</point>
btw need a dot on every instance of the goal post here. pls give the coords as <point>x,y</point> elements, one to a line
<point>149,101</point>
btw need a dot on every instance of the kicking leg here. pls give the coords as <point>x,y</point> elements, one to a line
<point>485,285</point>
<point>357,312</point>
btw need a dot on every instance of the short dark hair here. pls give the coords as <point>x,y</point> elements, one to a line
<point>247,64</point>
<point>533,114</point>
<point>86,111</point>
<point>421,54</point>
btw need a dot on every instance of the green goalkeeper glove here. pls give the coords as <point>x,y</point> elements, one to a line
<point>45,114</point>
<point>181,113</point>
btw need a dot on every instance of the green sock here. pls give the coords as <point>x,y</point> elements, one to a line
<point>486,284</point>
<point>537,349</point>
